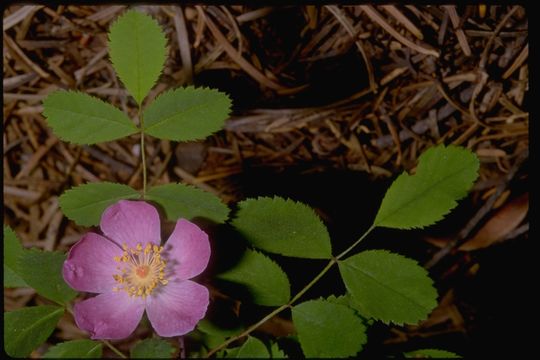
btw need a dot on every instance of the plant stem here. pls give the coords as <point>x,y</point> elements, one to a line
<point>356,242</point>
<point>143,154</point>
<point>115,350</point>
<point>313,282</point>
<point>248,331</point>
<point>294,299</point>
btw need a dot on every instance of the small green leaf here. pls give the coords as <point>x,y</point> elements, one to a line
<point>213,335</point>
<point>212,341</point>
<point>27,328</point>
<point>328,330</point>
<point>431,353</point>
<point>276,352</point>
<point>85,203</point>
<point>184,201</point>
<point>253,348</point>
<point>228,353</point>
<point>84,119</point>
<point>388,287</point>
<point>284,227</point>
<point>443,176</point>
<point>207,327</point>
<point>42,270</point>
<point>264,279</point>
<point>152,349</point>
<point>75,349</point>
<point>186,114</point>
<point>340,300</point>
<point>12,251</point>
<point>137,51</point>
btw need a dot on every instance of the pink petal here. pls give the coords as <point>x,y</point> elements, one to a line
<point>113,315</point>
<point>177,307</point>
<point>90,264</point>
<point>131,222</point>
<point>187,250</point>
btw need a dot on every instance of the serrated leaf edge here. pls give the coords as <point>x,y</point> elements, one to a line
<point>61,199</point>
<point>186,88</point>
<point>107,104</point>
<point>321,299</point>
<point>114,23</point>
<point>241,206</point>
<point>51,315</point>
<point>431,283</point>
<point>272,261</point>
<point>149,196</point>
<point>442,216</point>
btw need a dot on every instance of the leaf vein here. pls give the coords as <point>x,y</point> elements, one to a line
<point>377,281</point>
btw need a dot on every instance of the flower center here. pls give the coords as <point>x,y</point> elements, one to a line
<point>140,270</point>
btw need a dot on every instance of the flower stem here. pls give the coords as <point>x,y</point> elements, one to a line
<point>115,350</point>
<point>294,299</point>
<point>143,154</point>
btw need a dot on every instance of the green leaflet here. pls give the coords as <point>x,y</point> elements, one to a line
<point>253,348</point>
<point>42,270</point>
<point>214,335</point>
<point>152,349</point>
<point>85,203</point>
<point>388,287</point>
<point>184,201</point>
<point>83,119</point>
<point>283,227</point>
<point>29,327</point>
<point>328,330</point>
<point>186,114</point>
<point>12,251</point>
<point>75,349</point>
<point>265,280</point>
<point>431,353</point>
<point>207,327</point>
<point>444,175</point>
<point>276,352</point>
<point>137,50</point>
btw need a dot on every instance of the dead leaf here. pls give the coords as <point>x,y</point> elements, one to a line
<point>501,224</point>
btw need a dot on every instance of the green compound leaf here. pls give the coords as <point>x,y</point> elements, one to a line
<point>265,280</point>
<point>183,201</point>
<point>12,251</point>
<point>152,349</point>
<point>137,51</point>
<point>253,348</point>
<point>431,353</point>
<point>75,349</point>
<point>283,227</point>
<point>186,114</point>
<point>83,119</point>
<point>443,176</point>
<point>388,287</point>
<point>27,328</point>
<point>42,270</point>
<point>328,330</point>
<point>85,203</point>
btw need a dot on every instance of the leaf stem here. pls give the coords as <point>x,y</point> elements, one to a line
<point>294,299</point>
<point>356,242</point>
<point>143,154</point>
<point>114,349</point>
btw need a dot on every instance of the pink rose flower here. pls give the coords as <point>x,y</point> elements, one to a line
<point>132,273</point>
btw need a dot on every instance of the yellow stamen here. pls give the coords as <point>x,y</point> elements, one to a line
<point>141,270</point>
